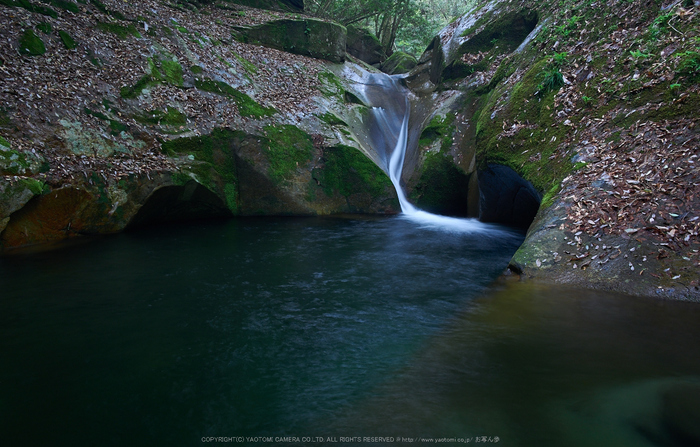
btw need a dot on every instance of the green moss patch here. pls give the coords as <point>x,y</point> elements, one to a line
<point>30,7</point>
<point>438,128</point>
<point>398,63</point>
<point>99,5</point>
<point>135,90</point>
<point>68,6</point>
<point>249,67</point>
<point>30,44</point>
<point>532,151</point>
<point>246,105</point>
<point>67,40</point>
<point>330,85</point>
<point>287,148</point>
<point>215,167</point>
<point>442,187</point>
<point>165,70</point>
<point>196,69</point>
<point>171,117</point>
<point>45,27</point>
<point>348,171</point>
<point>119,30</point>
<point>12,162</point>
<point>331,119</point>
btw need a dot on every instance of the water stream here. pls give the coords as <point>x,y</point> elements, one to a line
<point>388,135</point>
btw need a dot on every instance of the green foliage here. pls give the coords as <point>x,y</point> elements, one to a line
<point>560,59</point>
<point>660,25</point>
<point>246,105</point>
<point>196,69</point>
<point>638,54</point>
<point>568,27</point>
<point>689,64</point>
<point>552,80</point>
<point>119,30</point>
<point>287,148</point>
<point>30,44</point>
<point>45,27</point>
<point>4,142</point>
<point>67,40</point>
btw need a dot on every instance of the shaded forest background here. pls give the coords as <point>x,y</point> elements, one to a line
<point>404,25</point>
<point>400,25</point>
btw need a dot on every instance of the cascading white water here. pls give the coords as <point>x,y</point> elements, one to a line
<point>388,125</point>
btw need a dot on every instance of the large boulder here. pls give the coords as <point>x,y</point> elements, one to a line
<point>399,63</point>
<point>307,37</point>
<point>364,45</point>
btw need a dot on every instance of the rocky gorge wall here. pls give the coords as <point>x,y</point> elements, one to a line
<point>116,115</point>
<point>578,115</point>
<point>594,106</point>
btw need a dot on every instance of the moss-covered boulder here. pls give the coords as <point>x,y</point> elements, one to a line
<point>308,37</point>
<point>364,45</point>
<point>398,63</point>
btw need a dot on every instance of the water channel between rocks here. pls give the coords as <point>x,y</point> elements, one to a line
<point>328,327</point>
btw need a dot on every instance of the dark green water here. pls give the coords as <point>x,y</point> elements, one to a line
<point>328,328</point>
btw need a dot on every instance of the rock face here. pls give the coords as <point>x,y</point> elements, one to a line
<point>174,121</point>
<point>364,45</point>
<point>399,63</point>
<point>526,86</point>
<point>307,37</point>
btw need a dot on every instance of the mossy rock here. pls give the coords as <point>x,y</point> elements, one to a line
<point>246,105</point>
<point>120,31</point>
<point>348,171</point>
<point>160,70</point>
<point>308,37</point>
<point>442,188</point>
<point>528,151</point>
<point>364,45</point>
<point>398,63</point>
<point>215,165</point>
<point>287,148</point>
<point>30,44</point>
<point>171,117</point>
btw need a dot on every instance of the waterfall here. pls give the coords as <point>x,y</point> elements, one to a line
<point>387,127</point>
